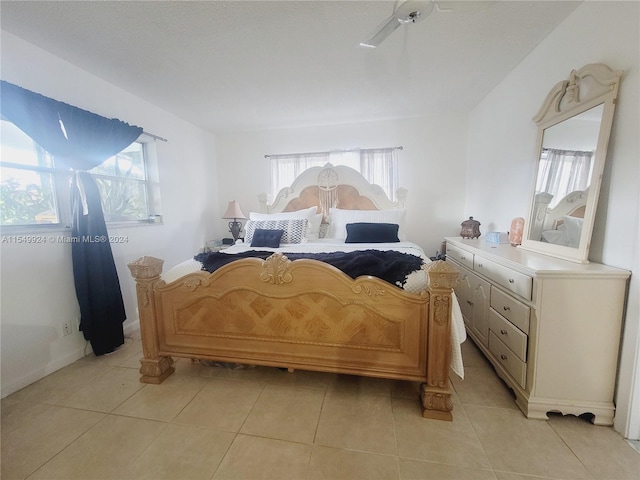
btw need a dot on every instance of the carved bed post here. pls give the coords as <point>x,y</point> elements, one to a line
<point>154,368</point>
<point>539,214</point>
<point>435,394</point>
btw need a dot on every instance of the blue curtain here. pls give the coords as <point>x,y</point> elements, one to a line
<point>80,140</point>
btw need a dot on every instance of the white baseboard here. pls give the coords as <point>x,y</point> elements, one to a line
<point>43,371</point>
<point>132,326</point>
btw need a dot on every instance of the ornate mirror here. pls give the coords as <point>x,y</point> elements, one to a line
<point>574,125</point>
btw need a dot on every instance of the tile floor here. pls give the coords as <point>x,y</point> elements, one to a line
<point>94,420</point>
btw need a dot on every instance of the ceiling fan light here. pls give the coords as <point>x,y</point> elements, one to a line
<point>411,18</point>
<point>410,11</point>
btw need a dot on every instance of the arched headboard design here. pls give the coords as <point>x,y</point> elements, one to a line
<point>331,186</point>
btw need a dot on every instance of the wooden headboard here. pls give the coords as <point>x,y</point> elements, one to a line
<point>331,187</point>
<point>545,218</point>
<point>572,205</point>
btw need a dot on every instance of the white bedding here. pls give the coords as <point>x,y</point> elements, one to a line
<point>416,281</point>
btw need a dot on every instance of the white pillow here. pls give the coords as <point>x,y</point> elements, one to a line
<point>309,214</point>
<point>557,237</point>
<point>573,228</point>
<point>313,227</point>
<point>304,213</point>
<point>338,219</point>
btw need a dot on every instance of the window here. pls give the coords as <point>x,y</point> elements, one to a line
<point>34,192</point>
<point>122,180</point>
<point>563,171</point>
<point>378,166</point>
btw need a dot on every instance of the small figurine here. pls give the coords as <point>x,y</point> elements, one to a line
<point>470,228</point>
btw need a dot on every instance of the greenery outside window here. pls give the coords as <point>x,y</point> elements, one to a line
<point>122,180</point>
<point>34,193</point>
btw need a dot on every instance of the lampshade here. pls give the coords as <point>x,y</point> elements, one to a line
<point>233,211</point>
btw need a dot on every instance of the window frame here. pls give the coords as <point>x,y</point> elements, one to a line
<point>61,179</point>
<point>334,157</point>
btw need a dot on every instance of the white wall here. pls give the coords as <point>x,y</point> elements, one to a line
<point>501,155</point>
<point>497,151</point>
<point>433,147</point>
<point>192,201</point>
<point>37,292</point>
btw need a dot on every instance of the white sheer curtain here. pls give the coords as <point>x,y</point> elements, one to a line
<point>285,168</point>
<point>562,172</point>
<point>378,166</point>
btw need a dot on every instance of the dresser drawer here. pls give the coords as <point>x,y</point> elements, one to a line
<point>508,334</point>
<point>517,282</point>
<point>510,308</point>
<point>509,360</point>
<point>461,256</point>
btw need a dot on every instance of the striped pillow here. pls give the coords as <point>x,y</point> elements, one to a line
<point>294,229</point>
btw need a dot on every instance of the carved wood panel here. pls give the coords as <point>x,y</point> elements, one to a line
<point>317,319</point>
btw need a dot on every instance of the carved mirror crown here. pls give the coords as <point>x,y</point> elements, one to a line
<point>574,125</point>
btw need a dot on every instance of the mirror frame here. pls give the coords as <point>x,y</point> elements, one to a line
<point>588,87</point>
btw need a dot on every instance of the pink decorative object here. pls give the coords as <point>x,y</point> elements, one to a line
<point>515,233</point>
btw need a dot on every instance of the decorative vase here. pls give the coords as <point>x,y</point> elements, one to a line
<point>470,228</point>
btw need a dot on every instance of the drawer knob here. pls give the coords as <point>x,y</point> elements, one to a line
<point>480,265</point>
<point>511,280</point>
<point>463,258</point>
<point>469,302</point>
<point>506,309</point>
<point>503,332</point>
<point>503,356</point>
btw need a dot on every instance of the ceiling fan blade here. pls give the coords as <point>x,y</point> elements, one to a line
<point>385,29</point>
<point>409,11</point>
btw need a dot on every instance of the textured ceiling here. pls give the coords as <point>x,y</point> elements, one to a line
<point>233,65</point>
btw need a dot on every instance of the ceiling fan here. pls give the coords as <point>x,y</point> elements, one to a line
<point>412,11</point>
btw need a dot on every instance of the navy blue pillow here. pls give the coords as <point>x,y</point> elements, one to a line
<point>266,238</point>
<point>372,233</point>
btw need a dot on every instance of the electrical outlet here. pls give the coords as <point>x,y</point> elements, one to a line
<point>66,328</point>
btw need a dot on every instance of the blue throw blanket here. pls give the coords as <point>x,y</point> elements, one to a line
<point>389,265</point>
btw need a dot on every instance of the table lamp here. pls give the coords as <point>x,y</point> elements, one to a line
<point>234,212</point>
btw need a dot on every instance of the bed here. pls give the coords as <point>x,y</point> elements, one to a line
<point>305,313</point>
<point>562,224</point>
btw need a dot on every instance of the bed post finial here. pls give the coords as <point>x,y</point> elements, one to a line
<point>153,367</point>
<point>435,393</point>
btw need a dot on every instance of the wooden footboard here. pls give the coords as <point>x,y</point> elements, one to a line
<point>300,315</point>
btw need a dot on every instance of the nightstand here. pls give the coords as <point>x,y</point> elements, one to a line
<point>214,246</point>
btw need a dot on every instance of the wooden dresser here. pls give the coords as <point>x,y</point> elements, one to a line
<point>550,327</point>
